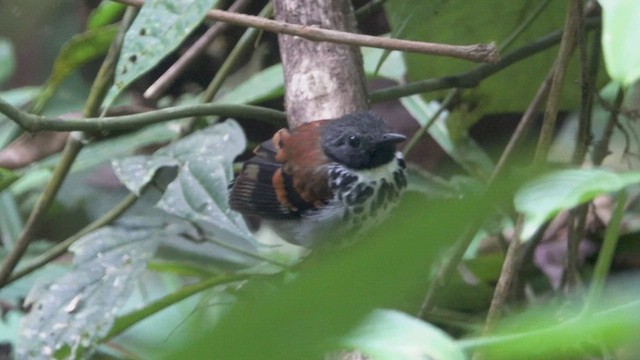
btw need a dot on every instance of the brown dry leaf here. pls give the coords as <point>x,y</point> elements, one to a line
<point>29,148</point>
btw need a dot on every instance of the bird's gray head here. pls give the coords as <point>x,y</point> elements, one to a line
<point>360,140</point>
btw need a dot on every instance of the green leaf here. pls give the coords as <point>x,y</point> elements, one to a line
<point>106,13</point>
<point>392,66</point>
<point>464,150</point>
<point>79,50</point>
<point>7,59</point>
<point>466,22</point>
<point>7,177</point>
<point>76,310</point>
<point>199,192</point>
<point>392,335</point>
<point>543,198</point>
<point>159,28</point>
<point>264,85</point>
<point>620,29</point>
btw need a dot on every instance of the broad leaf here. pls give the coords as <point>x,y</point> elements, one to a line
<point>392,335</point>
<point>620,29</point>
<point>545,197</point>
<point>466,22</point>
<point>71,314</point>
<point>159,28</point>
<point>199,192</point>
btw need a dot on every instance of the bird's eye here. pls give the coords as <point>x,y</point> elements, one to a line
<point>354,141</point>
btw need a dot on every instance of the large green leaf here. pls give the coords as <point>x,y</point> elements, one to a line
<point>160,27</point>
<point>545,197</point>
<point>76,310</point>
<point>620,37</point>
<point>392,335</point>
<point>482,21</point>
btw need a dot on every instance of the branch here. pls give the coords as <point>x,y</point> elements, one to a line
<point>473,77</point>
<point>478,52</point>
<point>32,122</point>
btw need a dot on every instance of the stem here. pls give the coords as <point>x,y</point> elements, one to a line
<point>601,270</point>
<point>567,45</point>
<point>601,148</point>
<point>168,78</point>
<point>60,248</point>
<point>130,122</point>
<point>477,52</point>
<point>423,130</point>
<point>126,321</point>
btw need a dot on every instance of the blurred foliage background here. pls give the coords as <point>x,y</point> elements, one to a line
<point>137,256</point>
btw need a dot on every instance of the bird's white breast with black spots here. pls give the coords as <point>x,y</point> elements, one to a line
<point>364,197</point>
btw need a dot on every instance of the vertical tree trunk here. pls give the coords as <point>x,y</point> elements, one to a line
<point>322,80</point>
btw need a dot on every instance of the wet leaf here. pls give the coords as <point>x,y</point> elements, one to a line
<point>159,28</point>
<point>199,191</point>
<point>75,311</point>
<point>545,197</point>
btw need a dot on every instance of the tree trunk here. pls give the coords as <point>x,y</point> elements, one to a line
<point>322,80</point>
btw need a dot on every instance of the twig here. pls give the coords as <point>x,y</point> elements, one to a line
<point>567,45</point>
<point>477,52</point>
<point>168,78</point>
<point>60,248</point>
<point>32,122</point>
<point>246,41</point>
<point>601,147</point>
<point>523,126</point>
<point>601,270</point>
<point>423,130</point>
<point>524,25</point>
<point>511,265</point>
<point>473,77</point>
<point>514,256</point>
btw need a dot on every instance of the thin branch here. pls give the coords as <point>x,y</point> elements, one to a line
<point>60,248</point>
<point>605,257</point>
<point>423,130</point>
<point>478,52</point>
<point>601,147</point>
<point>169,77</point>
<point>567,45</point>
<point>473,77</point>
<point>515,252</point>
<point>32,122</point>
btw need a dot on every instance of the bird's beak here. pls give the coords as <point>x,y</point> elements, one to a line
<point>392,138</point>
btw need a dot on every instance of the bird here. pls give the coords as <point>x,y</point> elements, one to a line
<point>325,181</point>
